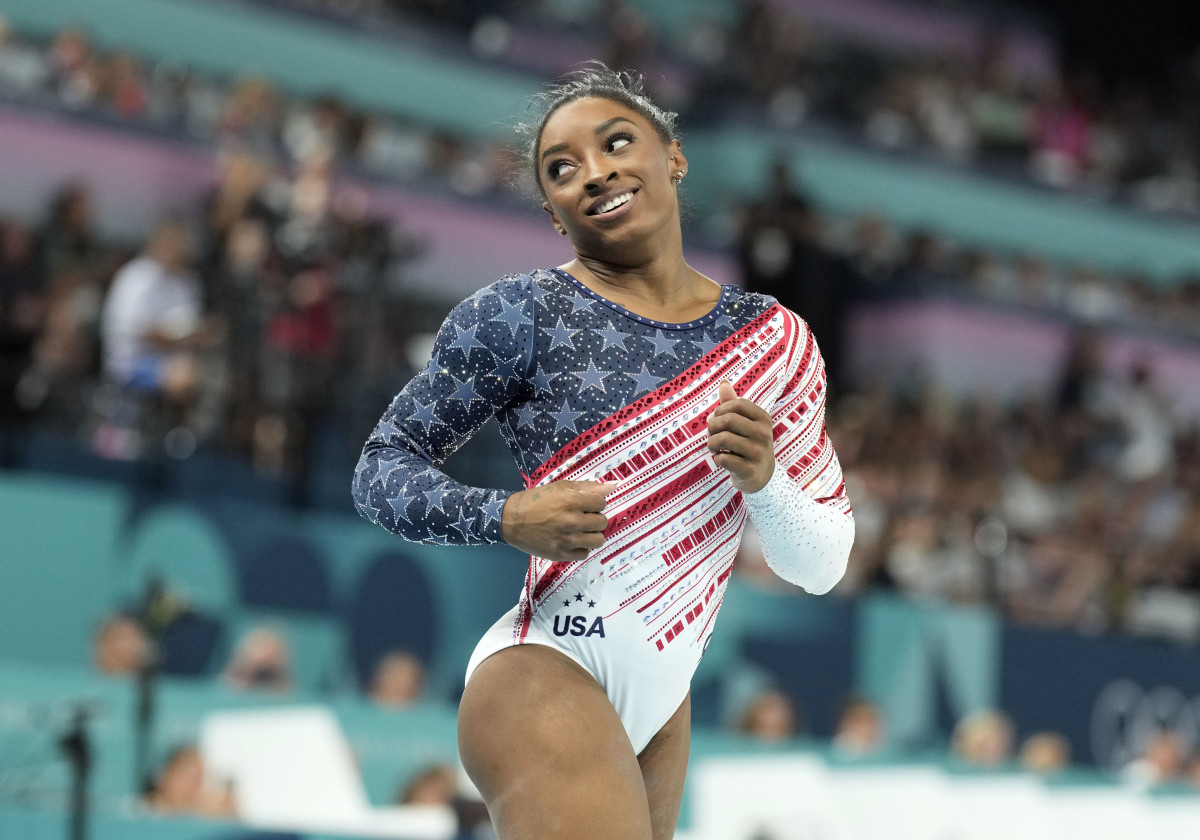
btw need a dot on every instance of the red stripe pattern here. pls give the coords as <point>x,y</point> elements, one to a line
<point>676,520</point>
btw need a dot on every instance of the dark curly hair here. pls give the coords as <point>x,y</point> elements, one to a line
<point>624,87</point>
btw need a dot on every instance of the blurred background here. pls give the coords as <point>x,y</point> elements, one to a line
<point>988,212</point>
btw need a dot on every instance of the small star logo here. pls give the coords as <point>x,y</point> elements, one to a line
<point>591,603</point>
<point>578,597</point>
<point>566,603</point>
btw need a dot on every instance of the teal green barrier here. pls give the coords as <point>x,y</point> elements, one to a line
<point>181,546</point>
<point>57,541</point>
<point>908,652</point>
<point>303,57</point>
<point>732,164</point>
<point>392,746</point>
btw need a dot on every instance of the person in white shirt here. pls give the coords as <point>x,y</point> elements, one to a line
<point>152,322</point>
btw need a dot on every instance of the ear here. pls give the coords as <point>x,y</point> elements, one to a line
<point>562,231</point>
<point>677,161</point>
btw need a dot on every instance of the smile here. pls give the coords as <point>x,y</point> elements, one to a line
<point>611,204</point>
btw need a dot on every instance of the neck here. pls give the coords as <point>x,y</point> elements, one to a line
<point>658,276</point>
<point>659,280</point>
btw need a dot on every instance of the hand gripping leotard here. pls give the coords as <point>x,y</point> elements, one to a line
<point>586,390</point>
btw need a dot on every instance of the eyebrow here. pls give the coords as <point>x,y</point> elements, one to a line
<point>600,129</point>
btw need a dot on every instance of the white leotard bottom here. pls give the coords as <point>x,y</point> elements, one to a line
<point>644,698</point>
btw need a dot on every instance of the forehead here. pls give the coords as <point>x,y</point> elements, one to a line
<point>579,118</point>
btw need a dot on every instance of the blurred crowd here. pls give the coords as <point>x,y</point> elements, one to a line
<point>228,326</point>
<point>1131,142</point>
<point>1074,508</point>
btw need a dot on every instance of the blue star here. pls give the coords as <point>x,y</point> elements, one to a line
<point>466,393</point>
<point>526,415</point>
<point>662,344</point>
<point>540,294</point>
<point>386,429</point>
<point>493,510</point>
<point>400,507</point>
<point>646,381</point>
<point>425,416</point>
<point>386,468</point>
<point>565,418</point>
<point>560,336</point>
<point>369,511</point>
<point>593,378</point>
<point>430,471</point>
<point>511,316</point>
<point>544,455</point>
<point>612,338</point>
<point>509,369</point>
<point>541,380</point>
<point>463,525</point>
<point>436,496</point>
<point>466,339</point>
<point>579,302</point>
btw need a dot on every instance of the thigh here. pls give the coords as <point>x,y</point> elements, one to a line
<point>664,767</point>
<point>549,754</point>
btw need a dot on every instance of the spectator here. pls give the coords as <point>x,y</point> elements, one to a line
<point>1161,762</point>
<point>181,789</point>
<point>771,718</point>
<point>153,325</point>
<point>436,785</point>
<point>398,681</point>
<point>983,739</point>
<point>121,647</point>
<point>1061,136</point>
<point>859,729</point>
<point>1045,753</point>
<point>261,663</point>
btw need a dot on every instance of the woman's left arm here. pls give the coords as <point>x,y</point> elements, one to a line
<point>789,475</point>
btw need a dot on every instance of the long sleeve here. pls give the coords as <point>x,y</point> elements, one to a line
<point>480,360</point>
<point>803,515</point>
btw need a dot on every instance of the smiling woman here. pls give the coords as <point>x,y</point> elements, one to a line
<point>651,411</point>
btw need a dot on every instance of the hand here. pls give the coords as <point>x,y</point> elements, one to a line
<point>741,440</point>
<point>561,521</point>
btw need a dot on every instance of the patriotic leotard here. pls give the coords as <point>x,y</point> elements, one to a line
<point>583,389</point>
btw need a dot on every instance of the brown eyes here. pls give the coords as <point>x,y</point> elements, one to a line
<point>614,142</point>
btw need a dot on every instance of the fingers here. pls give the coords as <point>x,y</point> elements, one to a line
<point>592,496</point>
<point>604,489</point>
<point>725,391</point>
<point>743,407</point>
<point>739,424</point>
<point>591,523</point>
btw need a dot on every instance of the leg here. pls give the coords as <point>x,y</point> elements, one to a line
<point>545,747</point>
<point>664,766</point>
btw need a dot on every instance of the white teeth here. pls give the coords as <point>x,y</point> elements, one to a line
<point>613,203</point>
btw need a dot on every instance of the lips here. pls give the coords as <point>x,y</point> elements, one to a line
<point>610,201</point>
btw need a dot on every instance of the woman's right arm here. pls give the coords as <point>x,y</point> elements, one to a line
<point>480,359</point>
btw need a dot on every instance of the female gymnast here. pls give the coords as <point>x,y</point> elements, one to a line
<point>651,410</point>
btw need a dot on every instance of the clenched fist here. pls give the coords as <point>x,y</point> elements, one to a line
<point>741,440</point>
<point>561,521</point>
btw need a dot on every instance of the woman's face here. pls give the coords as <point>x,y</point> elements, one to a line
<point>607,176</point>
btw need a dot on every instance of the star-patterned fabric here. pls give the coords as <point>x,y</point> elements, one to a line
<point>549,359</point>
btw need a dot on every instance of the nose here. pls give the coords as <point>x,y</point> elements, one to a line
<point>599,172</point>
